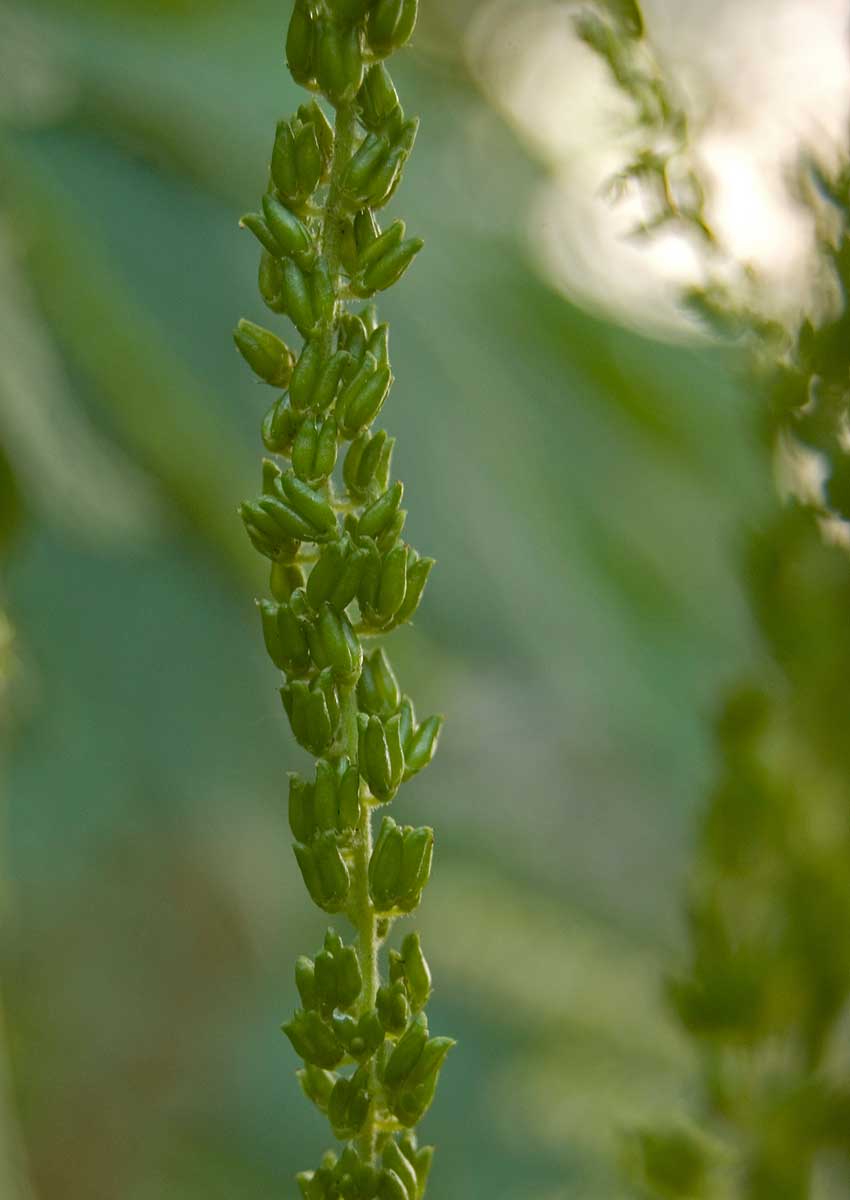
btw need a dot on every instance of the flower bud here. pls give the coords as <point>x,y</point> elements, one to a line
<point>379,345</point>
<point>377,689</point>
<point>393,1007</point>
<point>285,637</point>
<point>305,981</point>
<point>417,853</point>
<point>256,225</point>
<point>291,235</point>
<point>309,504</point>
<point>357,182</point>
<point>391,24</point>
<point>390,1187</point>
<point>407,1050</point>
<point>381,513</point>
<point>334,644</point>
<point>317,1085</point>
<point>313,1040</point>
<point>311,113</point>
<point>418,570</point>
<point>298,298</point>
<point>385,865</point>
<point>420,1156</point>
<point>270,282</point>
<point>280,425</point>
<point>284,171</point>
<point>313,712</point>
<point>388,269</point>
<point>265,354</point>
<point>338,980</point>
<point>338,62</point>
<point>300,40</point>
<point>305,375</point>
<point>417,973</point>
<point>302,820</point>
<point>309,163</point>
<point>329,379</point>
<point>378,99</point>
<point>289,523</point>
<point>421,746</point>
<point>393,583</point>
<point>394,1160</point>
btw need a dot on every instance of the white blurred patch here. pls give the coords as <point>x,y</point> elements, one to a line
<point>765,80</point>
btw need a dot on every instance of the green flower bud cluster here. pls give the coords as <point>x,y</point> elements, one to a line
<point>329,519</point>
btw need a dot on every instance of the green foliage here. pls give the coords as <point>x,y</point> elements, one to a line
<point>767,984</point>
<point>331,524</point>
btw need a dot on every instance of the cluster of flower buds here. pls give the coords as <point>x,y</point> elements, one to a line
<point>330,521</point>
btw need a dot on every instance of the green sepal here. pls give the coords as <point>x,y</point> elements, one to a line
<point>382,512</point>
<point>378,99</point>
<point>366,230</point>
<point>371,155</point>
<point>258,226</point>
<point>387,176</point>
<point>352,337</point>
<point>379,345</point>
<point>265,533</point>
<point>338,980</point>
<point>284,579</point>
<point>298,298</point>
<point>348,796</point>
<point>413,1099</point>
<point>305,981</point>
<point>349,11</point>
<point>329,380</point>
<point>300,40</point>
<point>302,820</point>
<point>388,269</point>
<point>367,464</point>
<point>417,854</point>
<point>305,375</point>
<point>417,973</point>
<point>393,1007</point>
<point>309,504</point>
<point>393,584</point>
<point>377,690</point>
<point>390,1187</point>
<point>313,1039</point>
<point>418,571</point>
<point>394,1160</point>
<point>336,576</point>
<point>270,282</point>
<point>348,1105</point>
<point>290,233</point>
<point>284,172</point>
<point>280,427</point>
<point>334,644</point>
<point>421,746</point>
<point>264,352</point>
<point>391,24</point>
<point>364,406</point>
<point>285,637</point>
<point>338,62</point>
<point>420,1156</point>
<point>324,795</point>
<point>317,1085</point>
<point>309,162</point>
<point>407,1050</point>
<point>385,865</point>
<point>313,712</point>
<point>311,113</point>
<point>290,523</point>
<point>322,292</point>
<point>333,872</point>
<point>315,451</point>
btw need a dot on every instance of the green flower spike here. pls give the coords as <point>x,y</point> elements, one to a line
<point>329,520</point>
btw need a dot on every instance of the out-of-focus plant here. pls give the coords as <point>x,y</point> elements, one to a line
<point>332,549</point>
<point>766,990</point>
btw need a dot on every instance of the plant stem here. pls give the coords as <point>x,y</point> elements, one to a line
<point>362,910</point>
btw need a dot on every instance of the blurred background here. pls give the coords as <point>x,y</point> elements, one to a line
<point>579,458</point>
